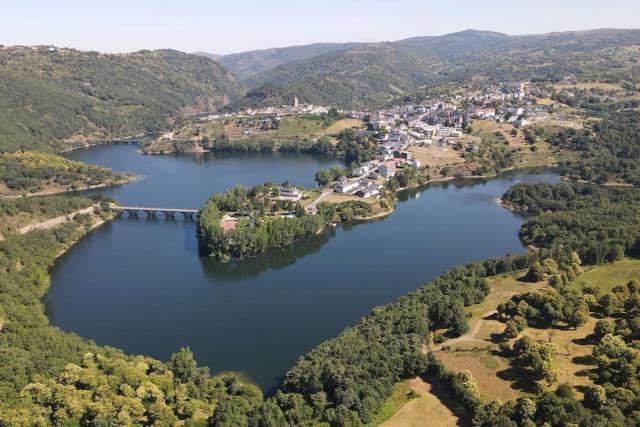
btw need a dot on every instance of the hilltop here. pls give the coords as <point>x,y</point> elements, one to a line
<point>248,64</point>
<point>50,95</point>
<point>373,74</point>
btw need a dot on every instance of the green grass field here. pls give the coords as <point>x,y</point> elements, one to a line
<point>608,276</point>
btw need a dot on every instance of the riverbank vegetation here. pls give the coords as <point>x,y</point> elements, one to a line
<point>49,377</point>
<point>344,381</point>
<point>247,221</point>
<point>20,212</point>
<point>32,172</point>
<point>600,224</point>
<point>608,149</point>
<point>313,133</point>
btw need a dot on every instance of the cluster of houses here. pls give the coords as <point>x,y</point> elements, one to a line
<point>365,179</point>
<point>288,110</point>
<point>400,127</point>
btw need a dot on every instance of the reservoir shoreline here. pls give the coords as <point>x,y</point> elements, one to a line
<point>258,315</point>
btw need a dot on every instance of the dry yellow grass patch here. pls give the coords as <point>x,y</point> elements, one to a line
<point>343,124</point>
<point>545,101</point>
<point>502,289</point>
<point>340,198</point>
<point>484,367</point>
<point>426,410</point>
<point>434,156</point>
<point>484,126</point>
<point>475,349</point>
<point>589,85</point>
<point>514,141</point>
<point>562,123</point>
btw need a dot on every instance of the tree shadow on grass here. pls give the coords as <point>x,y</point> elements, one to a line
<point>448,400</point>
<point>517,380</point>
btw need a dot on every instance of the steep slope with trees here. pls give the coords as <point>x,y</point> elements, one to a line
<point>369,75</point>
<point>50,95</point>
<point>353,78</point>
<point>248,64</point>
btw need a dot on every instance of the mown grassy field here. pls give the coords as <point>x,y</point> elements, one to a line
<point>434,156</point>
<point>414,404</point>
<point>606,277</point>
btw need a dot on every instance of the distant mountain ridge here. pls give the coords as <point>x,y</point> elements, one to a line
<point>248,64</point>
<point>356,78</point>
<point>50,95</point>
<point>369,74</point>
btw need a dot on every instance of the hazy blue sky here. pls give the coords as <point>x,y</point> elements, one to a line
<point>237,25</point>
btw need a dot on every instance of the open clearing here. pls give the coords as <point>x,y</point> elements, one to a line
<point>608,276</point>
<point>434,156</point>
<point>343,124</point>
<point>572,360</point>
<point>588,85</point>
<point>477,350</point>
<point>340,198</point>
<point>424,410</point>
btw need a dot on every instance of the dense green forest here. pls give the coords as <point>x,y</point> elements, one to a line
<point>599,223</point>
<point>24,172</point>
<point>351,146</point>
<point>51,377</point>
<point>609,151</point>
<point>354,78</point>
<point>50,95</point>
<point>57,377</point>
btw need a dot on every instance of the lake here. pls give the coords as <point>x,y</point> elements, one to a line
<point>139,284</point>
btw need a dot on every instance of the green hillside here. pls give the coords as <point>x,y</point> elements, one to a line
<point>370,75</point>
<point>354,78</point>
<point>248,64</point>
<point>50,95</point>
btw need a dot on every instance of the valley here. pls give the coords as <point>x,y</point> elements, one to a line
<point>438,230</point>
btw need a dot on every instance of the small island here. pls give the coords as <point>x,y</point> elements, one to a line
<point>247,221</point>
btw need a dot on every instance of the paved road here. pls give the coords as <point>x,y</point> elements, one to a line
<point>314,205</point>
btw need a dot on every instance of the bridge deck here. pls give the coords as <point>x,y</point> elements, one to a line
<point>146,209</point>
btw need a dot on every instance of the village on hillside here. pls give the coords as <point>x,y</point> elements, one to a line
<point>437,133</point>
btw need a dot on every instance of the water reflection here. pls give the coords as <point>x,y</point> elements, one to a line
<point>275,259</point>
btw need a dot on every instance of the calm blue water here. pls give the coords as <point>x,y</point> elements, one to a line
<point>138,284</point>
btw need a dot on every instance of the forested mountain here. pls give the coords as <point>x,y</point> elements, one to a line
<point>469,42</point>
<point>455,44</point>
<point>353,78</point>
<point>49,95</point>
<point>369,75</point>
<point>248,64</point>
